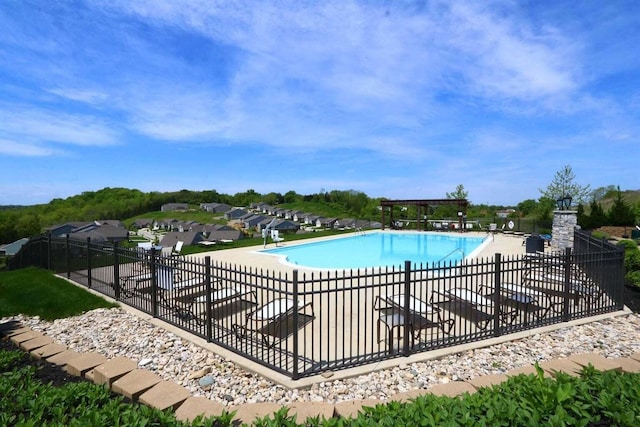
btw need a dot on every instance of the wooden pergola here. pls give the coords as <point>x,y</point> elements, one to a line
<point>462,205</point>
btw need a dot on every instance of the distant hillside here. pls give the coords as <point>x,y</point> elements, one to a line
<point>631,197</point>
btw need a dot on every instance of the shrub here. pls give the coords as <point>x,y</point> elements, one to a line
<point>633,278</point>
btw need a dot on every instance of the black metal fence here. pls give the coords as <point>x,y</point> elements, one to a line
<point>305,323</point>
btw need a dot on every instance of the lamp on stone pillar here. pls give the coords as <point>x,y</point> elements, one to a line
<point>564,202</point>
<point>564,224</point>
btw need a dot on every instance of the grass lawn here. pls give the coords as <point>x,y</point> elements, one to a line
<point>36,292</point>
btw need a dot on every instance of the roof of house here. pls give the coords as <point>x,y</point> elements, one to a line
<point>218,235</point>
<point>188,237</point>
<point>99,233</point>
<point>13,247</point>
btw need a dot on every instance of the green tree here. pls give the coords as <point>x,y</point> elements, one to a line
<point>292,197</point>
<point>28,225</point>
<point>459,193</point>
<point>583,218</point>
<point>273,199</point>
<point>564,184</point>
<point>596,218</point>
<point>527,207</point>
<point>544,209</point>
<point>621,213</point>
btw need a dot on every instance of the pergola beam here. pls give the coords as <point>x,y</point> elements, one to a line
<point>461,203</point>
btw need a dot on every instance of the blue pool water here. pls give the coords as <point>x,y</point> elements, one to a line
<point>379,249</point>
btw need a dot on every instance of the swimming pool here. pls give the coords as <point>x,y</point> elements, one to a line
<point>379,249</point>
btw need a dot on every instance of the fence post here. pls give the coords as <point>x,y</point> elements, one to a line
<point>49,251</point>
<point>207,283</point>
<point>406,312</point>
<point>68,256</point>
<point>43,252</point>
<point>89,262</point>
<point>116,271</point>
<point>567,285</point>
<point>619,268</point>
<point>496,295</point>
<point>296,328</point>
<point>154,283</point>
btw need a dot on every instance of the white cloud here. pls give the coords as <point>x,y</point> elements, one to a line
<point>12,148</point>
<point>507,57</point>
<point>34,124</point>
<point>83,95</point>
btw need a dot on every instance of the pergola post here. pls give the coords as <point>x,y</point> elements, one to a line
<point>461,204</point>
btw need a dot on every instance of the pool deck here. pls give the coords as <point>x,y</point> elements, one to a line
<point>504,244</point>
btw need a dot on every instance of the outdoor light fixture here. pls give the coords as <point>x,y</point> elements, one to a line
<point>564,202</point>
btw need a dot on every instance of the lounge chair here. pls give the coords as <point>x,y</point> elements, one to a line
<point>185,303</point>
<point>273,313</point>
<point>178,249</point>
<point>550,280</point>
<point>482,304</point>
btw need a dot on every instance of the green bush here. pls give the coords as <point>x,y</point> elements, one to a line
<point>600,234</point>
<point>633,278</point>
<point>594,398</point>
<point>629,245</point>
<point>631,262</point>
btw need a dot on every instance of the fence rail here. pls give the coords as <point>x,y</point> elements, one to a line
<point>303,324</point>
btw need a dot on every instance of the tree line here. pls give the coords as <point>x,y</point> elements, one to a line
<point>122,203</point>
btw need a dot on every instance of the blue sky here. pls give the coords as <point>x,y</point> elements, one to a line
<point>397,99</point>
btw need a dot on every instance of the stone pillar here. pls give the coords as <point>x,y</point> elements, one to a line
<point>564,223</point>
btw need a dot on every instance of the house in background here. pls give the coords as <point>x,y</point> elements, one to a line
<point>225,235</point>
<point>10,249</point>
<point>168,207</point>
<point>235,213</point>
<point>505,213</point>
<point>188,238</point>
<point>286,226</point>
<point>61,230</point>
<point>326,222</point>
<point>253,220</point>
<point>98,232</point>
<point>142,223</point>
<point>215,207</point>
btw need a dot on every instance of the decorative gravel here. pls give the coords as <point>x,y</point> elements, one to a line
<point>115,332</point>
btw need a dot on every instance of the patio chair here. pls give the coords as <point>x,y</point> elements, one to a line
<point>421,316</point>
<point>274,313</point>
<point>417,307</point>
<point>532,300</point>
